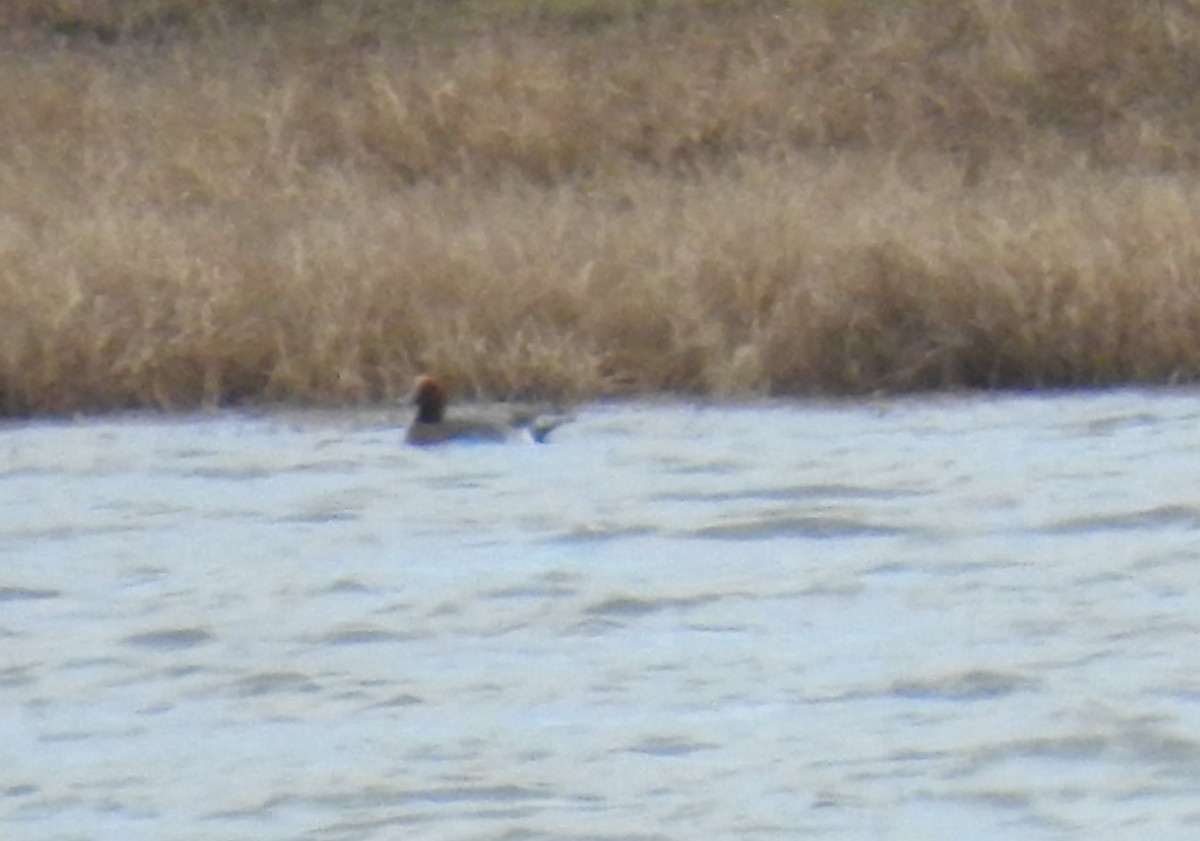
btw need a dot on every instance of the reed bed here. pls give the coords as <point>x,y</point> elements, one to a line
<point>210,202</point>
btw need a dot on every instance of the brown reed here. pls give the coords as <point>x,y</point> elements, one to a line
<point>214,202</point>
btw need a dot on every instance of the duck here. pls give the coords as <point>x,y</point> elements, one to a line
<point>432,426</point>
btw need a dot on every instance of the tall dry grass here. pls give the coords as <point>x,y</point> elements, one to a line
<point>227,201</point>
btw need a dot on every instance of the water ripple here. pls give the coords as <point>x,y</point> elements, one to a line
<point>973,685</point>
<point>801,527</point>
<point>169,639</point>
<point>670,746</point>
<point>1165,516</point>
<point>15,594</point>
<point>631,606</point>
<point>271,683</point>
<point>363,635</point>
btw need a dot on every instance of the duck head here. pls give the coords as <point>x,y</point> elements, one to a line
<point>430,396</point>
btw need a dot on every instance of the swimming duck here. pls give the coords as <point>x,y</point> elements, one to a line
<point>431,426</point>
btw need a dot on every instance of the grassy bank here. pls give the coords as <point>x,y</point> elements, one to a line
<point>227,201</point>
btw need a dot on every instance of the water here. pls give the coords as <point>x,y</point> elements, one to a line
<point>948,618</point>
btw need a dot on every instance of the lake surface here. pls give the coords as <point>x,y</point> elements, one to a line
<point>949,618</point>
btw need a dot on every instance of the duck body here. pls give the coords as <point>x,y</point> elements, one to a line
<point>481,430</point>
<point>501,423</point>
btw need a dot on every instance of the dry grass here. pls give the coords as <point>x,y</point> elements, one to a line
<point>229,201</point>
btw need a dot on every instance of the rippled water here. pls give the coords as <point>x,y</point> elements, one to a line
<point>949,618</point>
